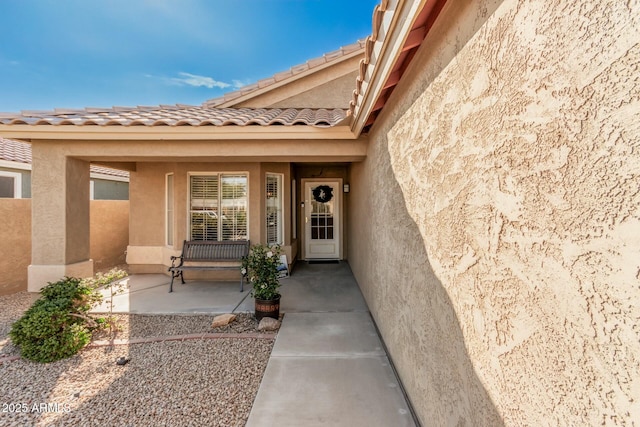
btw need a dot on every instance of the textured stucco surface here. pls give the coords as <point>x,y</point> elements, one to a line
<point>504,181</point>
<point>333,94</point>
<point>109,232</point>
<point>330,87</point>
<point>15,244</point>
<point>109,237</point>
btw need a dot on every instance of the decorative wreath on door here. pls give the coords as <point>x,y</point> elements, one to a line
<point>322,193</point>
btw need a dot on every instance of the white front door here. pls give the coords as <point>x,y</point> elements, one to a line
<point>322,219</point>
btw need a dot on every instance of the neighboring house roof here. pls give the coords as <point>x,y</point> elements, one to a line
<point>20,152</point>
<point>296,72</point>
<point>15,151</point>
<point>178,115</point>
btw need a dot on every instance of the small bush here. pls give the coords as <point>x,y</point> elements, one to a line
<point>57,326</point>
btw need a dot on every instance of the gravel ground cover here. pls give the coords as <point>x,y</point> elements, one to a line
<point>195,382</point>
<point>141,325</point>
<point>11,308</point>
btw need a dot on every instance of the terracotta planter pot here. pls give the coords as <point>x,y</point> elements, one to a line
<point>267,308</point>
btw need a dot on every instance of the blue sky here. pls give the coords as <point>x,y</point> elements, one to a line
<point>80,53</point>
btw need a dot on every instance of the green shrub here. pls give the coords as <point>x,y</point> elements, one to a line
<point>57,326</point>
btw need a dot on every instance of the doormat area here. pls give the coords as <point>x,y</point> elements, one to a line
<point>324,261</point>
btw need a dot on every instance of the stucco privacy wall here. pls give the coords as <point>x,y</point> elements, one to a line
<point>511,150</point>
<point>109,238</point>
<point>109,232</point>
<point>15,244</point>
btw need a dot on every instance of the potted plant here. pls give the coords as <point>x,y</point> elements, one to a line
<point>261,268</point>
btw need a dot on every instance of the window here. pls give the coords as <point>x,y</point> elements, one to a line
<point>274,209</point>
<point>169,210</point>
<point>218,207</point>
<point>10,185</point>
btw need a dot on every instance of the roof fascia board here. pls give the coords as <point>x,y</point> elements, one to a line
<point>397,23</point>
<point>105,177</point>
<point>260,91</point>
<point>166,133</point>
<point>10,164</point>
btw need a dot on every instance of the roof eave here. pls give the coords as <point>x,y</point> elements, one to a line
<point>394,21</point>
<point>174,133</point>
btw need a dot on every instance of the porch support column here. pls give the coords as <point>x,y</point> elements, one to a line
<point>59,217</point>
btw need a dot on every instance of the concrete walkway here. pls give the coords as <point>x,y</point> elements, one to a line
<point>328,366</point>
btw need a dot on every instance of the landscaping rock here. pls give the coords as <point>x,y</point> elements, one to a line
<point>269,324</point>
<point>223,320</point>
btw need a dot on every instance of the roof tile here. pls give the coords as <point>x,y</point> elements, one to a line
<point>177,116</point>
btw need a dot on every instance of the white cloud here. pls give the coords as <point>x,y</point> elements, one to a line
<point>237,84</point>
<point>198,81</point>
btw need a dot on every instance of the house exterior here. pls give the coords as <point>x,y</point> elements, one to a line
<point>492,218</point>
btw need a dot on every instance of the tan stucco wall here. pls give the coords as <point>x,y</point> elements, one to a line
<point>331,87</point>
<point>109,232</point>
<point>15,244</point>
<point>333,94</point>
<point>501,258</point>
<point>147,251</point>
<point>109,236</point>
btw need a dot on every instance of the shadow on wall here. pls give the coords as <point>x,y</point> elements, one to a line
<point>411,307</point>
<point>413,310</point>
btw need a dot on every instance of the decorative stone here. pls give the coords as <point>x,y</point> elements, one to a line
<point>121,361</point>
<point>268,324</point>
<point>223,320</point>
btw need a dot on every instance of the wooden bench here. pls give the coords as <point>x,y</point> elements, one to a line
<point>207,251</point>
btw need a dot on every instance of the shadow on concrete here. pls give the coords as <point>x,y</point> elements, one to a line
<point>149,294</point>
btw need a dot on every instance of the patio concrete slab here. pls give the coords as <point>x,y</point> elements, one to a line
<point>328,335</point>
<point>149,294</point>
<point>318,288</point>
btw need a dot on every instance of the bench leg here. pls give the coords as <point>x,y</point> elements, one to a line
<point>241,283</point>
<point>181,276</point>
<point>175,274</point>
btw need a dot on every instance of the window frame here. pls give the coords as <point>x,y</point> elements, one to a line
<point>219,174</point>
<point>280,208</point>
<point>17,183</point>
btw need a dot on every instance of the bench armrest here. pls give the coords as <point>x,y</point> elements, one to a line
<point>173,261</point>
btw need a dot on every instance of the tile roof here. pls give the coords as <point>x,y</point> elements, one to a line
<point>177,115</point>
<point>18,151</point>
<point>15,151</point>
<point>292,73</point>
<point>108,171</point>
